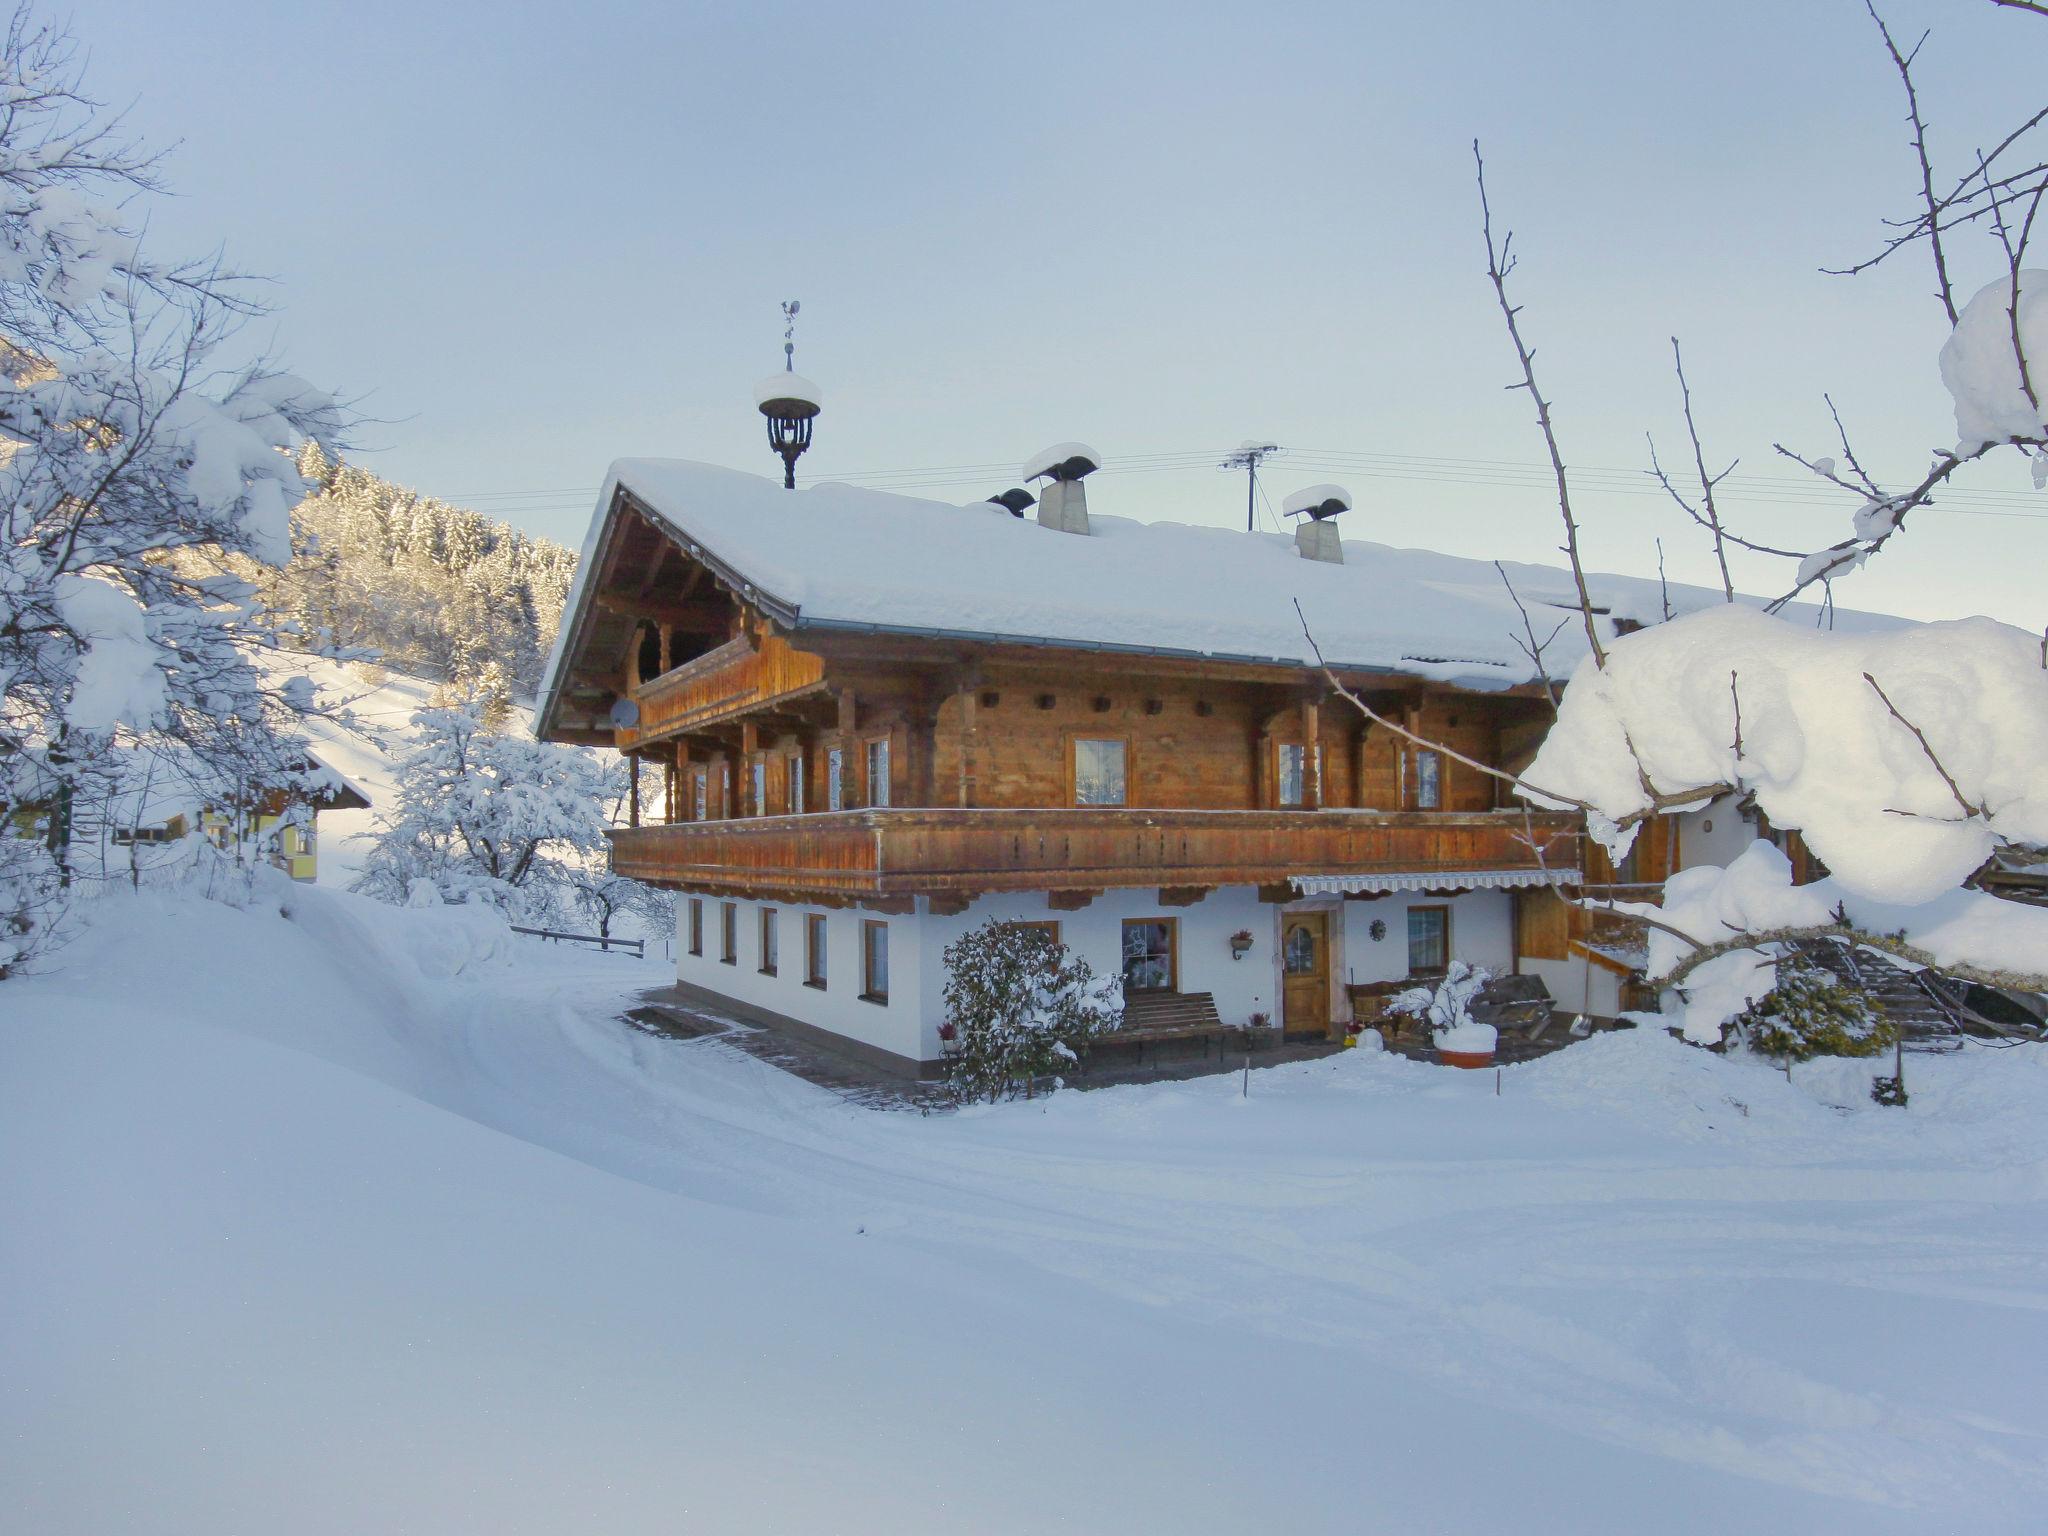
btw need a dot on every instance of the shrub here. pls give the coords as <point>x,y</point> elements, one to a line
<point>1019,1008</point>
<point>1810,1012</point>
<point>1447,1009</point>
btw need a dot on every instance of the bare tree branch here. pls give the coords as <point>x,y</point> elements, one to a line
<point>1533,648</point>
<point>1499,263</point>
<point>1920,736</point>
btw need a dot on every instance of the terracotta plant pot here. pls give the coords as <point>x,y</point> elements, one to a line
<point>1471,1060</point>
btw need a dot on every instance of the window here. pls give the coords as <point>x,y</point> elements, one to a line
<point>696,926</point>
<point>1429,781</point>
<point>1429,939</point>
<point>768,944</point>
<point>729,932</point>
<point>1298,950</point>
<point>1148,955</point>
<point>814,950</point>
<point>699,793</point>
<point>835,792</point>
<point>874,962</point>
<point>878,771</point>
<point>758,780</point>
<point>1292,772</point>
<point>795,766</point>
<point>1098,772</point>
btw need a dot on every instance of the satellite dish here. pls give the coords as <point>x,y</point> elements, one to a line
<point>625,714</point>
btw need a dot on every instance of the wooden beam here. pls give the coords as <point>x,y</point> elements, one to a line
<point>1278,893</point>
<point>1070,901</point>
<point>1182,895</point>
<point>896,906</point>
<point>695,618</point>
<point>949,906</point>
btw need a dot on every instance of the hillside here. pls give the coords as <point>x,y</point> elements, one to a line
<point>436,589</point>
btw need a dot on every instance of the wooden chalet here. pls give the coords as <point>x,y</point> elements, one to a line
<point>876,721</point>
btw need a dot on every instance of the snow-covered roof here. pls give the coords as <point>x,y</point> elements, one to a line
<point>839,556</point>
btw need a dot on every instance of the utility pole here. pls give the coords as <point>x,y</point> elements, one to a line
<point>1249,456</point>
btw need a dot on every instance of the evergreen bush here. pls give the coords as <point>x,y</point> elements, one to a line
<point>1020,1009</point>
<point>1810,1012</point>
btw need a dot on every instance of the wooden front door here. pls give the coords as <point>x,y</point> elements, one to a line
<point>1305,972</point>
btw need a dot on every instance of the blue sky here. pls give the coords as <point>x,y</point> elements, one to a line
<point>536,238</point>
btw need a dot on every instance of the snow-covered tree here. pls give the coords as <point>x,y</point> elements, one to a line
<point>485,814</point>
<point>1019,1010</point>
<point>1905,760</point>
<point>136,464</point>
<point>435,589</point>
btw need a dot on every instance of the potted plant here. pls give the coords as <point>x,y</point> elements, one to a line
<point>1446,1007</point>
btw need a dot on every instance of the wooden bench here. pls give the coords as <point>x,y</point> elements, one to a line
<point>1152,1017</point>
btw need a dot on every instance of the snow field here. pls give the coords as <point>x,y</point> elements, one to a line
<point>413,1234</point>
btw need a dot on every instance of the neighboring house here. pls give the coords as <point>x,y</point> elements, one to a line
<point>878,721</point>
<point>282,824</point>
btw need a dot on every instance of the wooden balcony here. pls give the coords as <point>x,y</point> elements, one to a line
<point>885,853</point>
<point>736,677</point>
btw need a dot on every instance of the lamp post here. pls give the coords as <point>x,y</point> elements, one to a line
<point>789,401</point>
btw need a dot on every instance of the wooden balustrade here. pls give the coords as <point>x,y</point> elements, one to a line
<point>912,851</point>
<point>729,680</point>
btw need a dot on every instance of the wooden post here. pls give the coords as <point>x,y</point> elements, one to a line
<point>1264,795</point>
<point>922,733</point>
<point>968,699</point>
<point>686,807</point>
<point>667,633</point>
<point>849,750</point>
<point>668,788</point>
<point>633,789</point>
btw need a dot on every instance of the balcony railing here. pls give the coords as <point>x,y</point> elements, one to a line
<point>735,677</point>
<point>907,852</point>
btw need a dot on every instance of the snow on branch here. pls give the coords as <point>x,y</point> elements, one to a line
<point>1904,758</point>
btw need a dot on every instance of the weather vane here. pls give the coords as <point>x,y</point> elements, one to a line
<point>789,309</point>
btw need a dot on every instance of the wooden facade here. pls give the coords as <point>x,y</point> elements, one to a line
<point>841,763</point>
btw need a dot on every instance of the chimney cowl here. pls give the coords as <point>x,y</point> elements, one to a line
<point>1012,501</point>
<point>1317,502</point>
<point>1065,462</point>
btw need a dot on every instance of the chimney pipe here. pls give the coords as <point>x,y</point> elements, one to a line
<point>1063,504</point>
<point>1315,536</point>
